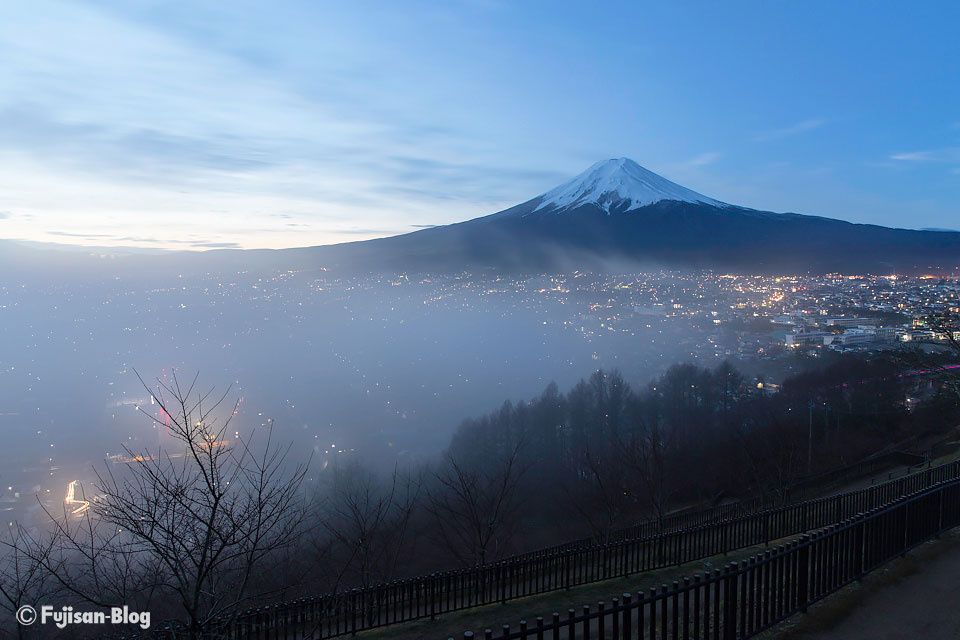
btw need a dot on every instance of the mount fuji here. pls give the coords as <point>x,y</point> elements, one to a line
<point>616,213</point>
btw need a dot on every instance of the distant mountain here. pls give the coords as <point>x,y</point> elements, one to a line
<point>618,214</point>
<point>615,215</point>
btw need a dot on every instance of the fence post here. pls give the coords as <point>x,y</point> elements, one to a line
<point>627,617</point>
<point>803,572</point>
<point>353,611</point>
<point>676,608</point>
<point>615,619</point>
<point>729,602</point>
<point>686,609</point>
<point>905,541</point>
<point>696,606</point>
<point>501,570</point>
<point>859,547</point>
<point>939,512</point>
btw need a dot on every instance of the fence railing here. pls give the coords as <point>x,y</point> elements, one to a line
<point>549,570</point>
<point>744,598</point>
<point>893,455</point>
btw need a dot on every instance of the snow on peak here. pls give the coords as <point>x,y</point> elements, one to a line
<point>609,182</point>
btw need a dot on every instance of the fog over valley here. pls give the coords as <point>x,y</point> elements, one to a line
<point>378,368</point>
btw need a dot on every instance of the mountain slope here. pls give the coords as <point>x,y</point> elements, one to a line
<point>615,215</point>
<point>619,214</point>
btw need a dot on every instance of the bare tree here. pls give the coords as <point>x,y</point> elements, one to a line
<point>599,492</point>
<point>23,576</point>
<point>370,521</point>
<point>473,506</point>
<point>645,451</point>
<point>775,457</point>
<point>193,525</point>
<point>95,561</point>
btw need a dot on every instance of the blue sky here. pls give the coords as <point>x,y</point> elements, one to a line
<point>197,125</point>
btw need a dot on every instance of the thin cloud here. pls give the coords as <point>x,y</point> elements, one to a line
<point>703,159</point>
<point>89,236</point>
<point>215,245</point>
<point>796,129</point>
<point>947,154</point>
<point>151,240</point>
<point>199,243</point>
<point>913,156</point>
<point>364,232</point>
<point>5,214</point>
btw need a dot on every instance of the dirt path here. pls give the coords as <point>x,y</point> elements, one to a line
<point>914,597</point>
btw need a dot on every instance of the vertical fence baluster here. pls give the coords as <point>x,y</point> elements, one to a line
<point>696,605</point>
<point>626,617</point>
<point>640,605</point>
<point>615,619</point>
<point>729,603</point>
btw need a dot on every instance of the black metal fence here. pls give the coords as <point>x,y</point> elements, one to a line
<point>560,568</point>
<point>744,598</point>
<point>798,491</point>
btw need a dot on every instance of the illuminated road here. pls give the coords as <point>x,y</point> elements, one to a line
<point>71,500</point>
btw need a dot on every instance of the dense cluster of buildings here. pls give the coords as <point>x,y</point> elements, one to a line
<point>875,312</point>
<point>706,315</point>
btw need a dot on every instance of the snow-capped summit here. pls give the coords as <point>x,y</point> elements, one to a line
<point>619,183</point>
